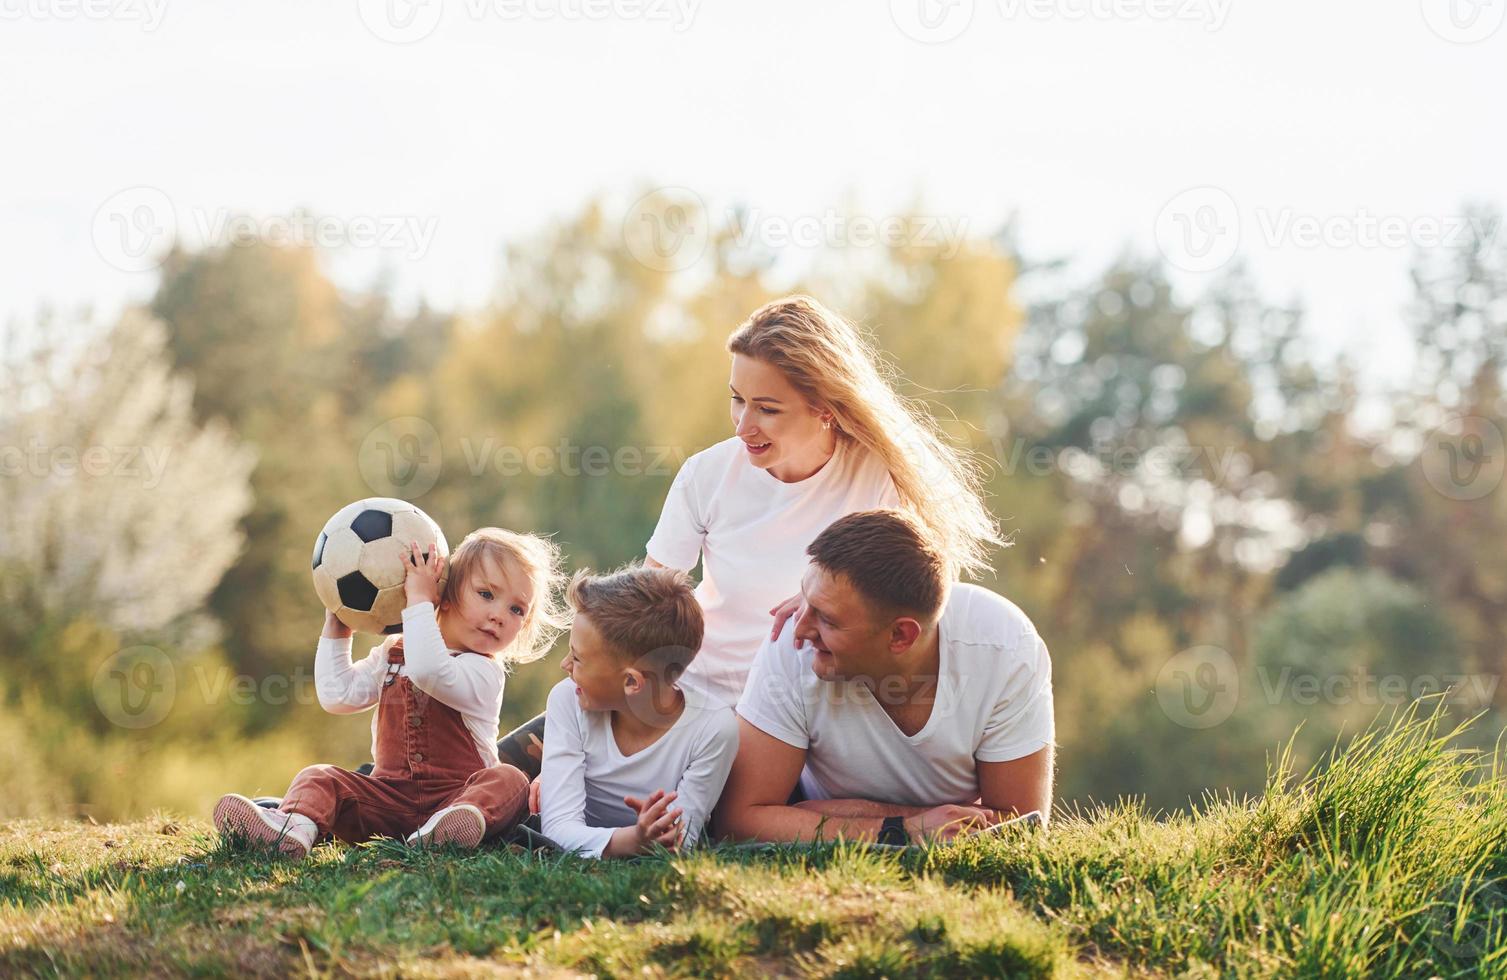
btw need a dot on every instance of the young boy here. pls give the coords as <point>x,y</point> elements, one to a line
<point>437,689</point>
<point>631,762</point>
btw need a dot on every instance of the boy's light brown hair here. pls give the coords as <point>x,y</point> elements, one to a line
<point>890,559</point>
<point>649,616</point>
<point>534,559</point>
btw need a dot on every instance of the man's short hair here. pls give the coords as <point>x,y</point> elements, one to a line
<point>649,616</point>
<point>889,558</point>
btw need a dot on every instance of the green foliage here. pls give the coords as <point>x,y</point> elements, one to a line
<point>1176,473</point>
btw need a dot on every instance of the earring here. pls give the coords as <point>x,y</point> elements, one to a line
<point>826,424</point>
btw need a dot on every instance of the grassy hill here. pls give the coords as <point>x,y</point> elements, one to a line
<point>1390,860</point>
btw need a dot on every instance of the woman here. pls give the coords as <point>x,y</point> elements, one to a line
<point>818,432</point>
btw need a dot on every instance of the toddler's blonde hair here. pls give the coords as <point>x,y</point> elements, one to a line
<point>538,559</point>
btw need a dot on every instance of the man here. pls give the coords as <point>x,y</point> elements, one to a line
<point>892,708</point>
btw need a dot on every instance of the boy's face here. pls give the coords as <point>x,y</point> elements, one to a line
<point>595,668</point>
<point>491,609</point>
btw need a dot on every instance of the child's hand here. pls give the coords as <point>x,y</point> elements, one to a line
<point>421,578</point>
<point>657,824</point>
<point>334,628</point>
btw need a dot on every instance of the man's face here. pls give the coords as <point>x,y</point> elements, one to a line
<point>594,667</point>
<point>840,626</point>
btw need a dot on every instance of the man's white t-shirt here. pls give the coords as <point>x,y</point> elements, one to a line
<point>585,775</point>
<point>993,704</point>
<point>750,531</point>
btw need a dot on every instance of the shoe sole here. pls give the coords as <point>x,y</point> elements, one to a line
<point>459,827</point>
<point>235,815</point>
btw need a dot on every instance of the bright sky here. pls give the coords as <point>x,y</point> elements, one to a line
<point>1085,117</point>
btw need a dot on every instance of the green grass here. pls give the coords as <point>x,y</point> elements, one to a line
<point>1389,860</point>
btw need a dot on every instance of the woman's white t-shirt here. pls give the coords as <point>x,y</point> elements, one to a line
<point>750,531</point>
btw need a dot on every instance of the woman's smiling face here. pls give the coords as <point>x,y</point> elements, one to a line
<point>780,430</point>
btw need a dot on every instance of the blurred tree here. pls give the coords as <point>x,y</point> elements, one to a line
<point>1138,435</point>
<point>1176,473</point>
<point>1446,516</point>
<point>119,513</point>
<point>1345,646</point>
<point>302,375</point>
<point>118,504</point>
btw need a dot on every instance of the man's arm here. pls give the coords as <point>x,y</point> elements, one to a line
<point>860,808</point>
<point>1020,785</point>
<point>765,772</point>
<point>754,806</point>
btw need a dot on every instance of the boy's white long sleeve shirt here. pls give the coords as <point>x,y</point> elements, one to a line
<point>585,776</point>
<point>471,683</point>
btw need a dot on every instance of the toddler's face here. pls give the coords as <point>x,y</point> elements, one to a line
<point>491,609</point>
<point>595,669</point>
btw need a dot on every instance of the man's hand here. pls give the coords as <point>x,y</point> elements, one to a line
<point>948,821</point>
<point>657,823</point>
<point>533,794</point>
<point>782,613</point>
<point>421,576</point>
<point>334,628</point>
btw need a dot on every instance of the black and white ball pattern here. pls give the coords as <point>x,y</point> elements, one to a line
<point>358,561</point>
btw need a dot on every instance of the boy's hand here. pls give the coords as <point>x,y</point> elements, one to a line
<point>421,576</point>
<point>657,824</point>
<point>334,628</point>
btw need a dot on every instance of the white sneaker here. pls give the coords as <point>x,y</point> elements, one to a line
<point>461,825</point>
<point>290,834</point>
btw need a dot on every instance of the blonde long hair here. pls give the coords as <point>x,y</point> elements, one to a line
<point>836,368</point>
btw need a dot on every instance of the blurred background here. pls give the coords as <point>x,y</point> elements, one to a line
<point>1216,291</point>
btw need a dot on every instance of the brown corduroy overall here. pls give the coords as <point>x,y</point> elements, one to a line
<point>426,760</point>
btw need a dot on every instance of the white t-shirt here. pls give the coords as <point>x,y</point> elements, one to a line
<point>585,776</point>
<point>993,704</point>
<point>471,683</point>
<point>750,531</point>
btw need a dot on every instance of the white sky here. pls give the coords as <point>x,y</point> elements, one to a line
<point>1083,120</point>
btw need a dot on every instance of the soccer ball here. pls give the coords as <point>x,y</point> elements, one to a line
<point>359,558</point>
